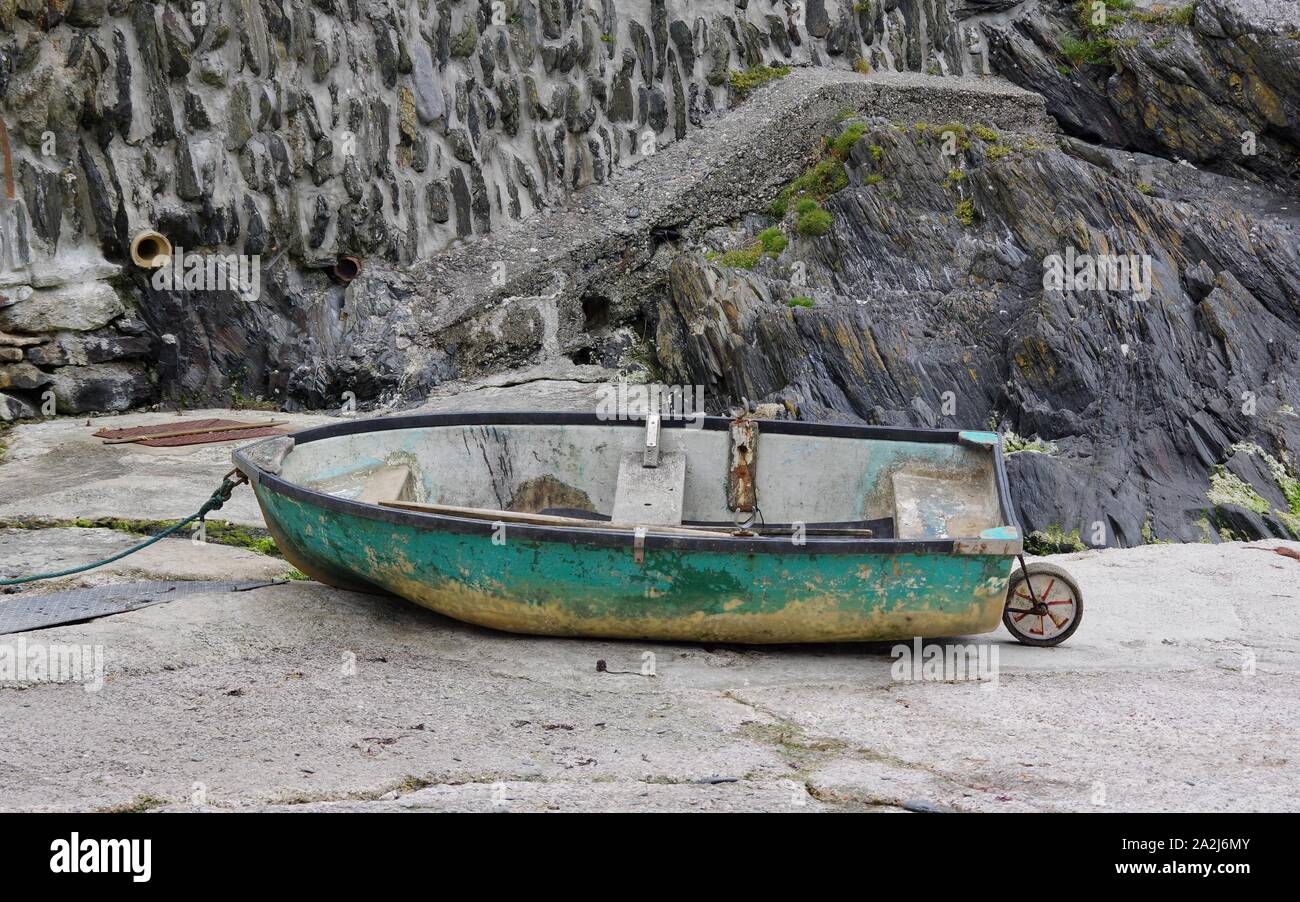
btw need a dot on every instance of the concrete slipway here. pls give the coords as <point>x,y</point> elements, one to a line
<point>1178,692</point>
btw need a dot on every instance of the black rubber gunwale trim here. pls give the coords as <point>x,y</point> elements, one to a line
<point>618,538</point>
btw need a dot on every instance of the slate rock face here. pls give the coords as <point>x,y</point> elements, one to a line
<point>1136,400</point>
<point>1221,90</point>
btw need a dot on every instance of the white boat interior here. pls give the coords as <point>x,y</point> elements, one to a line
<point>891,486</point>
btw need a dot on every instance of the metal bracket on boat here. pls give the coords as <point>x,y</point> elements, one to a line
<point>30,611</point>
<point>650,457</point>
<point>638,544</point>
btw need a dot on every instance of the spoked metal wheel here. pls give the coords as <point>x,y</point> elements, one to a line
<point>1045,608</point>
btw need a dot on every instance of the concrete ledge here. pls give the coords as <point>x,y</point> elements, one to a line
<point>57,469</point>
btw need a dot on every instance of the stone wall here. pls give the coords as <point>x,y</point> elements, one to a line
<point>301,130</point>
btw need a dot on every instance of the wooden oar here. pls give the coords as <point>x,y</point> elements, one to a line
<point>176,433</point>
<point>815,531</point>
<point>481,513</point>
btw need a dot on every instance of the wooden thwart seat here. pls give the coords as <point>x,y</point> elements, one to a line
<point>481,513</point>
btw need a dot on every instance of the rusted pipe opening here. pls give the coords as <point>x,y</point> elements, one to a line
<point>150,250</point>
<point>347,269</point>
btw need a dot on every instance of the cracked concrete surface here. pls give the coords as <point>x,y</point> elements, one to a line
<point>1177,693</point>
<point>298,696</point>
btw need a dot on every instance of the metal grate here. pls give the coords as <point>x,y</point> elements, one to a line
<point>29,611</point>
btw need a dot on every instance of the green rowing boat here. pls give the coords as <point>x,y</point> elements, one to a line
<point>717,530</point>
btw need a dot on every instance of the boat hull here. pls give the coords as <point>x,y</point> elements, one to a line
<point>507,578</point>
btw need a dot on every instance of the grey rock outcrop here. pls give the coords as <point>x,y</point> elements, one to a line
<point>101,387</point>
<point>1215,82</point>
<point>1136,401</point>
<point>80,307</point>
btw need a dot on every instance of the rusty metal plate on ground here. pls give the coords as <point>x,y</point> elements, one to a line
<point>25,611</point>
<point>239,431</point>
